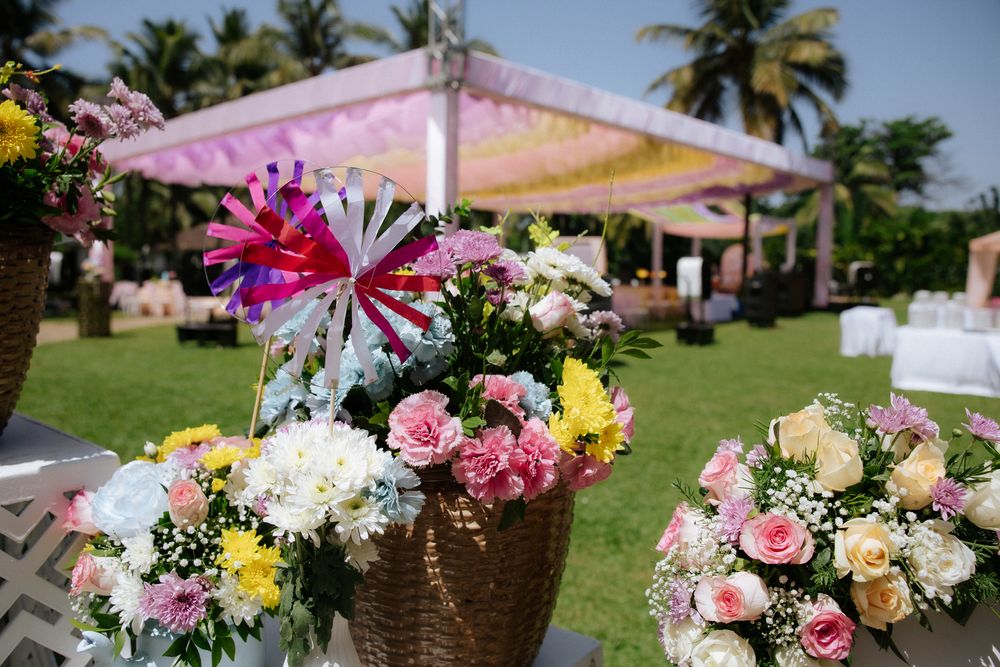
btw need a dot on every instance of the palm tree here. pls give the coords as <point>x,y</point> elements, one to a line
<point>748,49</point>
<point>245,61</point>
<point>412,21</point>
<point>315,33</point>
<point>31,34</point>
<point>164,61</point>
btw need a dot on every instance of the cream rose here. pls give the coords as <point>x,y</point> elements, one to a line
<point>863,548</point>
<point>723,648</point>
<point>983,505</point>
<point>883,600</point>
<point>940,560</point>
<point>913,478</point>
<point>799,432</point>
<point>679,639</point>
<point>838,464</point>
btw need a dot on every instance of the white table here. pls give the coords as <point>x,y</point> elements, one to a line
<point>561,648</point>
<point>867,331</point>
<point>38,467</point>
<point>949,361</point>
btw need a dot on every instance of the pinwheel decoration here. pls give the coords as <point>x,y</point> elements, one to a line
<point>292,253</point>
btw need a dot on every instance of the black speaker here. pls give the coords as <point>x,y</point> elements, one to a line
<point>792,295</point>
<point>760,299</point>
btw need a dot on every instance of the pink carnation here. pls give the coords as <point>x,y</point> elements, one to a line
<point>536,459</point>
<point>503,390</point>
<point>421,428</point>
<point>78,514</point>
<point>776,539</point>
<point>624,414</point>
<point>76,223</point>
<point>485,467</point>
<point>829,633</point>
<point>583,470</point>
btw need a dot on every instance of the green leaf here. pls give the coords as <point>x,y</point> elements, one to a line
<point>638,354</point>
<point>199,640</point>
<point>217,653</point>
<point>177,648</point>
<point>513,514</point>
<point>229,646</point>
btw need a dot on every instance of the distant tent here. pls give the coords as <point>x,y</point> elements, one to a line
<point>983,254</point>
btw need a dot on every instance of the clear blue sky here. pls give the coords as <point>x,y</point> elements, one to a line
<point>906,57</point>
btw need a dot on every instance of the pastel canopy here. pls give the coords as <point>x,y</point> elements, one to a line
<point>699,221</point>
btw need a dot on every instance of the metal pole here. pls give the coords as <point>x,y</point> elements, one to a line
<point>747,204</point>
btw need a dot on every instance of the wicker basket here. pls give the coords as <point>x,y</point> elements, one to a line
<point>452,591</point>
<point>24,274</point>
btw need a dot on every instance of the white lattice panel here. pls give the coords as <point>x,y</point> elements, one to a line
<point>39,468</point>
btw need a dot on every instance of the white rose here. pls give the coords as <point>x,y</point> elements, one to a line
<point>552,312</point>
<point>838,464</point>
<point>983,505</point>
<point>941,560</point>
<point>723,648</point>
<point>916,474</point>
<point>678,639</point>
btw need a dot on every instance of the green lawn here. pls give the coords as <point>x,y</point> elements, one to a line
<point>141,385</point>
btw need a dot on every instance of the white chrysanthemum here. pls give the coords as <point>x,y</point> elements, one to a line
<point>566,273</point>
<point>261,478</point>
<point>125,598</point>
<point>359,519</point>
<point>294,520</point>
<point>316,492</point>
<point>517,306</point>
<point>238,606</point>
<point>140,553</point>
<point>361,555</point>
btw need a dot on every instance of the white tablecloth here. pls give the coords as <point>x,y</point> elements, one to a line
<point>948,361</point>
<point>868,331</point>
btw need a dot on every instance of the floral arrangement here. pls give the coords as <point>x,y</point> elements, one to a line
<point>840,518</point>
<point>53,173</point>
<point>326,492</point>
<point>172,545</point>
<point>508,385</point>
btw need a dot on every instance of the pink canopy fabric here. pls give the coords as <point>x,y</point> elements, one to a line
<point>527,141</point>
<point>698,221</point>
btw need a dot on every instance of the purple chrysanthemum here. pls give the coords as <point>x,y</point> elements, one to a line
<point>437,263</point>
<point>948,497</point>
<point>756,456</point>
<point>498,296</point>
<point>505,273</point>
<point>605,323</point>
<point>30,100</point>
<point>90,119</point>
<point>123,125</point>
<point>144,112</point>
<point>120,91</point>
<point>733,445</point>
<point>468,247</point>
<point>982,427</point>
<point>733,513</point>
<point>680,600</point>
<point>901,415</point>
<point>177,604</point>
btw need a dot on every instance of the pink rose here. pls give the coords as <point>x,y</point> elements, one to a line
<point>78,516</point>
<point>828,634</point>
<point>484,465</point>
<point>672,535</point>
<point>186,503</point>
<point>503,390</point>
<point>536,458</point>
<point>93,574</point>
<point>552,312</point>
<point>721,476</point>
<point>776,539</point>
<point>624,412</point>
<point>422,430</point>
<point>739,597</point>
<point>583,470</point>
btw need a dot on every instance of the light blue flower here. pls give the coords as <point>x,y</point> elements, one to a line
<point>282,396</point>
<point>394,493</point>
<point>131,502</point>
<point>290,329</point>
<point>536,401</point>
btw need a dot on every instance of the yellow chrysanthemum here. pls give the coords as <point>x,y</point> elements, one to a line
<point>587,416</point>
<point>18,133</point>
<point>238,548</point>
<point>185,438</point>
<point>221,457</point>
<point>257,579</point>
<point>253,451</point>
<point>218,484</point>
